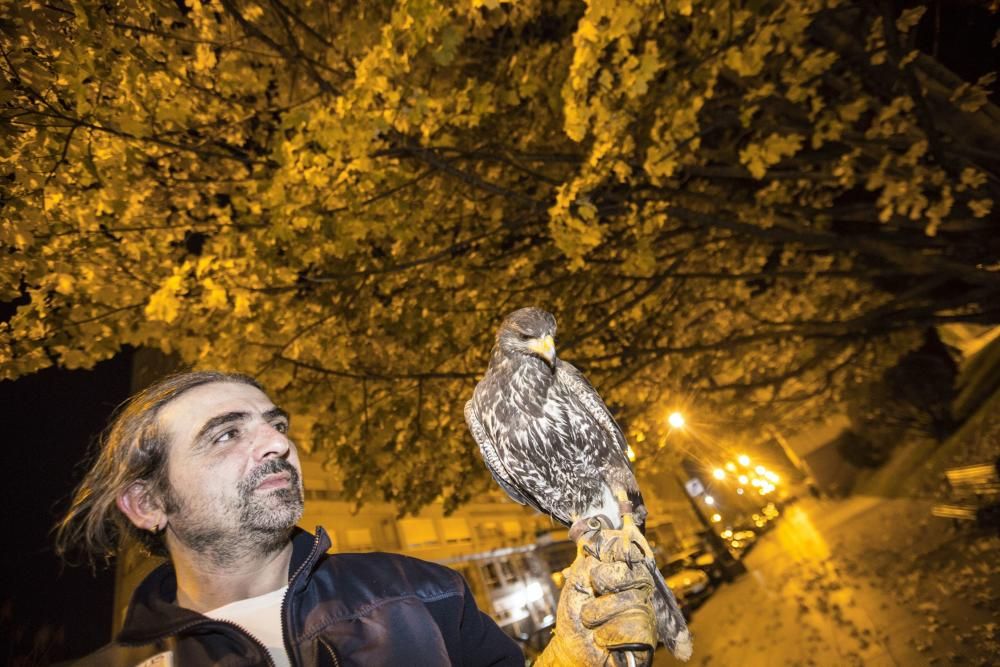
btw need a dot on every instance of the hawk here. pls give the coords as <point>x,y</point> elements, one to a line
<point>551,443</point>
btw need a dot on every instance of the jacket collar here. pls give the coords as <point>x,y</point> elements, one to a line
<point>154,614</point>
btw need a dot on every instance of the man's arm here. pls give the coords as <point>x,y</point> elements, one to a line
<point>481,641</point>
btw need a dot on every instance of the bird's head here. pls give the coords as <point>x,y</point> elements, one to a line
<point>530,331</point>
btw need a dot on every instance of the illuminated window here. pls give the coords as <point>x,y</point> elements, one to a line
<point>512,528</point>
<point>417,532</point>
<point>455,529</point>
<point>334,542</point>
<point>359,538</point>
<point>488,529</point>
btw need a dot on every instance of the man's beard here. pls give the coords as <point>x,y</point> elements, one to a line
<point>263,520</point>
<point>275,510</point>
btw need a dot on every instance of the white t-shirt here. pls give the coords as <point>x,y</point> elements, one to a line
<point>261,617</point>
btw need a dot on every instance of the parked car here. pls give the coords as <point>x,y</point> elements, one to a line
<point>698,556</point>
<point>739,540</point>
<point>691,586</point>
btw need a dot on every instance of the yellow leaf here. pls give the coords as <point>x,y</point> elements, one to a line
<point>981,207</point>
<point>164,305</point>
<point>64,283</point>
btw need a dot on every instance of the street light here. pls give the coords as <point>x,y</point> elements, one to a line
<point>676,420</point>
<point>709,500</point>
<point>744,460</point>
<point>719,473</point>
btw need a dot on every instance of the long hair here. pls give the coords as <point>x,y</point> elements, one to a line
<point>132,449</point>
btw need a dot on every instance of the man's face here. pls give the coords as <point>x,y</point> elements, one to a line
<point>234,476</point>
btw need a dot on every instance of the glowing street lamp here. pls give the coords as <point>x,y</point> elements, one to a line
<point>760,470</point>
<point>676,420</point>
<point>730,466</point>
<point>743,479</point>
<point>716,518</point>
<point>709,500</point>
<point>719,473</point>
<point>744,460</point>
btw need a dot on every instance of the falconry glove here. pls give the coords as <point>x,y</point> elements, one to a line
<point>606,615</point>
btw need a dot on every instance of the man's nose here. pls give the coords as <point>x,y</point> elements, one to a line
<point>269,442</point>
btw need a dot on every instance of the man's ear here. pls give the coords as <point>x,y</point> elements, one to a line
<point>142,509</point>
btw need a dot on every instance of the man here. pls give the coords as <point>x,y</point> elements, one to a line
<point>199,467</point>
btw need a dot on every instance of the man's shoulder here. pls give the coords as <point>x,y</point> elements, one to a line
<point>384,575</point>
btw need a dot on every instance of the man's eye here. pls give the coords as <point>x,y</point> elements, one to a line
<point>281,427</point>
<point>228,435</point>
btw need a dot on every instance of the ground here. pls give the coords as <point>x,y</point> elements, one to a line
<point>864,581</point>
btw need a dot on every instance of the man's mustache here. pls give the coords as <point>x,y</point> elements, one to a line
<point>270,467</point>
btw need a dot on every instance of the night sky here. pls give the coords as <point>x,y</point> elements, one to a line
<point>52,418</point>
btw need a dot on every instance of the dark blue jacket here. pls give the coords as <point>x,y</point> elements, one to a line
<point>341,609</point>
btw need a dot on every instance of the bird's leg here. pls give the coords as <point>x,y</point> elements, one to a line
<point>587,533</point>
<point>631,535</point>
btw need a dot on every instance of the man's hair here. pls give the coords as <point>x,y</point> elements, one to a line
<point>132,449</point>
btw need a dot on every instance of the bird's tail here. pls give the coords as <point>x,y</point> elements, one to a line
<point>670,624</point>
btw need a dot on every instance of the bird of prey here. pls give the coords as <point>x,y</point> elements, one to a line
<point>551,443</point>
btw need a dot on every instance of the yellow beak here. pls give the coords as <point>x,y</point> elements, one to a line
<point>544,347</point>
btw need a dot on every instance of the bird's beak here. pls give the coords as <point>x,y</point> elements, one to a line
<point>544,347</point>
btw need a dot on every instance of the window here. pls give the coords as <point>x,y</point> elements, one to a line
<point>359,538</point>
<point>507,571</point>
<point>491,575</point>
<point>455,530</point>
<point>417,532</point>
<point>488,529</point>
<point>512,528</point>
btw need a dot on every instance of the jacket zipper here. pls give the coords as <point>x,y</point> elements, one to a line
<point>256,641</point>
<point>293,658</point>
<point>209,621</point>
<point>333,654</point>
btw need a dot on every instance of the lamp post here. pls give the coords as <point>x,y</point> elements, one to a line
<point>731,567</point>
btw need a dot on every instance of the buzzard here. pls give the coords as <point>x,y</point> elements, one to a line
<point>551,443</point>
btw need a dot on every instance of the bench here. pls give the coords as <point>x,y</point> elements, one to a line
<point>975,491</point>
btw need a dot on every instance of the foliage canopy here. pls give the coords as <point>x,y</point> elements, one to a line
<point>747,205</point>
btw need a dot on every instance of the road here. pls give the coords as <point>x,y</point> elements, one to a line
<point>866,581</point>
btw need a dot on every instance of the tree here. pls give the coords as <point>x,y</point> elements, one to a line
<point>757,204</point>
<point>913,398</point>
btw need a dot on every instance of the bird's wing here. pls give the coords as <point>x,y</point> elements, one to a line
<point>496,466</point>
<point>578,385</point>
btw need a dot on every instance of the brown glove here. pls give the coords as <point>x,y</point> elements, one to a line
<point>605,609</point>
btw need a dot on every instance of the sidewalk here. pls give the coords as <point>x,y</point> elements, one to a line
<point>867,581</point>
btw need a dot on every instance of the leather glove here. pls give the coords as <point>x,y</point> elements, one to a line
<point>605,610</point>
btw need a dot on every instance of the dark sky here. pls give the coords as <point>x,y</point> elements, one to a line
<point>50,419</point>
